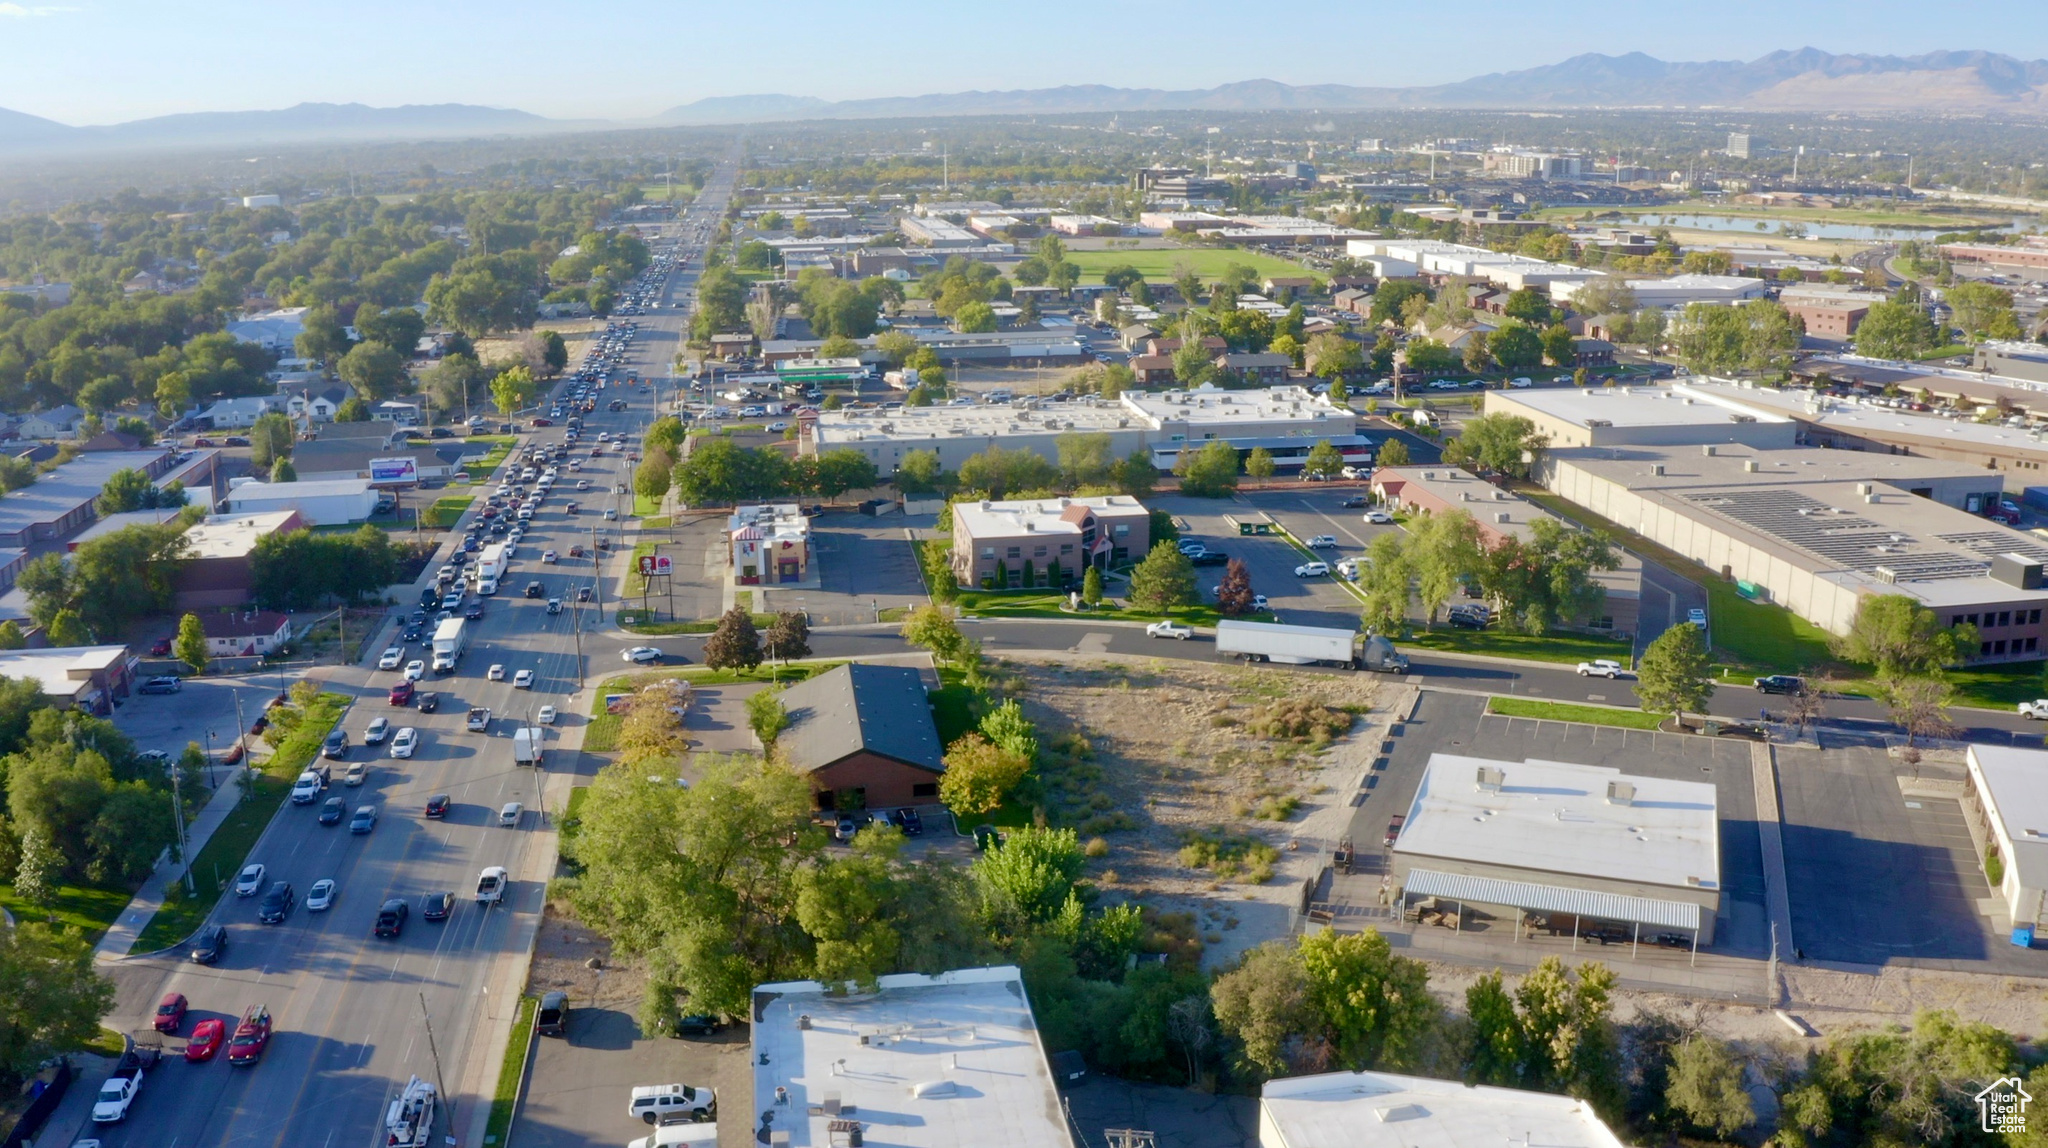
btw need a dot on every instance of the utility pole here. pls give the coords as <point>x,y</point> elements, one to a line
<point>440,1083</point>
<point>178,814</point>
<point>241,729</point>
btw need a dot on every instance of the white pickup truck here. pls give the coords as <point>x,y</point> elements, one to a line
<point>490,885</point>
<point>118,1093</point>
<point>2036,710</point>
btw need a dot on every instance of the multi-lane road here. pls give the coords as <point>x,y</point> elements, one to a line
<point>351,1012</point>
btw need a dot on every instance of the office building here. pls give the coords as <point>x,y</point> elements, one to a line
<point>1738,145</point>
<point>1046,542</point>
<point>1389,1110</point>
<point>2005,800</point>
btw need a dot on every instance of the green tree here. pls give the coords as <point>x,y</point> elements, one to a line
<point>1385,577</point>
<point>1560,346</point>
<point>1706,1087</point>
<point>1528,304</point>
<point>1427,356</point>
<point>54,999</point>
<point>767,716</point>
<point>1445,551</point>
<point>1331,355</point>
<point>789,638</point>
<point>1515,348</point>
<point>1674,675</point>
<point>735,644</point>
<point>1210,472</point>
<point>1007,727</point>
<point>375,371</point>
<point>554,351</point>
<point>1263,1004</point>
<point>1324,459</point>
<point>1392,452</point>
<point>1897,636</point>
<point>514,389</point>
<point>1164,581</point>
<point>980,775</point>
<point>1374,1004</point>
<point>1895,330</point>
<point>652,477</point>
<point>1091,593</point>
<point>1192,365</point>
<point>1084,459</point>
<point>191,644</point>
<point>11,637</point>
<point>283,471</point>
<point>352,410</point>
<point>974,318</point>
<point>1001,473</point>
<point>270,438</point>
<point>1030,876</point>
<point>931,628</point>
<point>1388,300</point>
<point>1259,464</point>
<point>920,472</point>
<point>1496,443</point>
<point>123,491</point>
<point>1134,476</point>
<point>398,328</point>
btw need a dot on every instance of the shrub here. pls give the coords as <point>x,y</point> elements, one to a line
<point>1228,855</point>
<point>1298,719</point>
<point>1096,847</point>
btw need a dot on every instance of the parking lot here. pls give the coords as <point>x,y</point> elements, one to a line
<point>202,710</point>
<point>1271,559</point>
<point>580,1084</point>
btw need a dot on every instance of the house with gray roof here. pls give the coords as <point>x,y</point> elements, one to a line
<point>863,735</point>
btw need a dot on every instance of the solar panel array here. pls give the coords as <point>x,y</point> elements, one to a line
<point>1849,540</point>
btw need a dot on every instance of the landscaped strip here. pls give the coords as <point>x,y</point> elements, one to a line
<point>299,746</point>
<point>512,1073</point>
<point>1566,711</point>
<point>1569,649</point>
<point>214,867</point>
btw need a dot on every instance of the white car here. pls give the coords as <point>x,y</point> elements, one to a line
<point>546,716</point>
<point>392,658</point>
<point>249,882</point>
<point>547,556</point>
<point>523,680</point>
<point>1378,517</point>
<point>778,427</point>
<point>321,896</point>
<point>1169,630</point>
<point>641,655</point>
<point>1602,668</point>
<point>405,743</point>
<point>2036,710</point>
<point>1519,384</point>
<point>306,788</point>
<point>496,673</point>
<point>508,817</point>
<point>1696,617</point>
<point>1348,569</point>
<point>379,729</point>
<point>610,514</point>
<point>415,670</point>
<point>1322,542</point>
<point>583,484</point>
<point>1312,570</point>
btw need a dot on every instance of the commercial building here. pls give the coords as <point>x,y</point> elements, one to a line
<point>1738,145</point>
<point>1084,225</point>
<point>1679,290</point>
<point>933,231</point>
<point>89,678</point>
<point>917,1062</point>
<point>769,545</point>
<point>386,460</point>
<point>60,503</point>
<point>1519,164</point>
<point>2005,803</point>
<point>318,503</point>
<point>1046,542</point>
<point>863,736</point>
<point>1817,531</point>
<point>1163,422</point>
<point>1408,258</point>
<point>1642,416</point>
<point>2030,253</point>
<point>1563,846</point>
<point>217,569</point>
<point>1865,424</point>
<point>1501,515</point>
<point>1388,1110</point>
<point>2027,361</point>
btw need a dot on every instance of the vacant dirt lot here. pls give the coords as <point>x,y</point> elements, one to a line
<point>1208,790</point>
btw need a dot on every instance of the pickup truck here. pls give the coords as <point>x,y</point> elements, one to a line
<point>479,719</point>
<point>2036,710</point>
<point>490,885</point>
<point>1394,828</point>
<point>118,1093</point>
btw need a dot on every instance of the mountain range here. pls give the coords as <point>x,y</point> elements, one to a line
<point>1807,80</point>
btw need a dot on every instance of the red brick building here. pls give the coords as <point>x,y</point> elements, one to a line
<point>863,735</point>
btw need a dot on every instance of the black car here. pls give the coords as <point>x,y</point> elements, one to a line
<point>1467,622</point>
<point>391,917</point>
<point>498,527</point>
<point>428,595</point>
<point>475,611</point>
<point>697,1024</point>
<point>336,745</point>
<point>907,820</point>
<point>413,634</point>
<point>331,811</point>
<point>1354,502</point>
<point>535,590</point>
<point>419,617</point>
<point>1210,558</point>
<point>437,906</point>
<point>277,903</point>
<point>208,946</point>
<point>1779,684</point>
<point>428,702</point>
<point>437,805</point>
<point>583,593</point>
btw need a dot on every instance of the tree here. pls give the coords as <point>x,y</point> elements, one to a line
<point>1259,464</point>
<point>767,716</point>
<point>1192,365</point>
<point>1007,727</point>
<point>1477,358</point>
<point>271,437</point>
<point>283,471</point>
<point>398,328</point>
<point>11,637</point>
<point>651,479</point>
<point>1528,304</point>
<point>920,472</point>
<point>1324,459</point>
<point>1427,356</point>
<point>1560,347</point>
<point>1515,348</point>
<point>1918,704</point>
<point>973,318</point>
<point>1374,1004</point>
<point>1330,355</point>
<point>979,775</point>
<point>1381,357</point>
<point>999,473</point>
<point>1897,636</point>
<point>1029,877</point>
<point>1338,392</point>
<point>734,644</point>
<point>1084,458</point>
<point>54,999</point>
<point>554,352</point>
<point>1444,551</point>
<point>1263,1004</point>
<point>1706,1087</point>
<point>931,628</point>
<point>375,371</point>
<point>1091,592</point>
<point>1134,476</point>
<point>123,491</point>
<point>1234,595</point>
<point>352,410</point>
<point>1674,674</point>
<point>1164,581</point>
<point>514,389</point>
<point>1388,300</point>
<point>191,644</point>
<point>1895,330</point>
<point>1385,577</point>
<point>1210,472</point>
<point>789,639</point>
<point>1393,452</point>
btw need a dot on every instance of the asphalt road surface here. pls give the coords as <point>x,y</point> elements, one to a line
<point>349,1010</point>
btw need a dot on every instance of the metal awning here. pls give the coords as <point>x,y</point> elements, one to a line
<point>1553,899</point>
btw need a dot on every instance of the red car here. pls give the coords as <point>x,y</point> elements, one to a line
<point>543,422</point>
<point>205,1042</point>
<point>401,694</point>
<point>170,1012</point>
<point>161,648</point>
<point>251,1036</point>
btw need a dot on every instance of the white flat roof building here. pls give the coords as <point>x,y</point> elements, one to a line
<point>1613,416</point>
<point>1388,1110</point>
<point>319,503</point>
<point>1436,257</point>
<point>923,1062</point>
<point>70,675</point>
<point>2011,808</point>
<point>1547,835</point>
<point>1679,290</point>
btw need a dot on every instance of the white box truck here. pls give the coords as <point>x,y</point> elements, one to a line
<point>527,745</point>
<point>451,638</point>
<point>490,564</point>
<point>1289,645</point>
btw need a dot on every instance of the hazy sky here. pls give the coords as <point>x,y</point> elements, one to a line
<point>100,61</point>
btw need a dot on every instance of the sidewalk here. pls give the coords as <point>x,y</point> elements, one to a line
<point>120,936</point>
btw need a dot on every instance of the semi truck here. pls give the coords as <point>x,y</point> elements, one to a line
<point>451,638</point>
<point>1307,646</point>
<point>490,567</point>
<point>527,745</point>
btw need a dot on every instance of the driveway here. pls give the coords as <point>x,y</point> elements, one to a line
<point>577,1094</point>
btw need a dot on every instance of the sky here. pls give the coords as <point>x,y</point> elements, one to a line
<point>104,61</point>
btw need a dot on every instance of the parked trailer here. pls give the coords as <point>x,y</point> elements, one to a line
<point>1291,645</point>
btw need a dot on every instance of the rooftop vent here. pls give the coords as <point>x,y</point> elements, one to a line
<point>1866,498</point>
<point>1464,496</point>
<point>1864,488</point>
<point>1749,465</point>
<point>1503,516</point>
<point>1491,778</point>
<point>1500,496</point>
<point>1885,573</point>
<point>1656,468</point>
<point>1621,793</point>
<point>932,1089</point>
<point>1709,450</point>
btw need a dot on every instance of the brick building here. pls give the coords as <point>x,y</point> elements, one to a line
<point>863,735</point>
<point>1048,540</point>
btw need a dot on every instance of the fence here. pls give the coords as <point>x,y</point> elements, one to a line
<point>48,1093</point>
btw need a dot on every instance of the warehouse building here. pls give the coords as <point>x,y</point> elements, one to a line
<point>2027,361</point>
<point>1389,1110</point>
<point>318,503</point>
<point>90,678</point>
<point>1502,514</point>
<point>1679,290</point>
<point>60,503</point>
<point>1162,422</point>
<point>1817,531</point>
<point>1046,541</point>
<point>1642,416</point>
<point>1867,424</point>
<point>2005,801</point>
<point>1576,850</point>
<point>914,1062</point>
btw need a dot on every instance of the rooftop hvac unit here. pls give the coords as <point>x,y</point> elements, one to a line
<point>1429,476</point>
<point>1863,488</point>
<point>2017,570</point>
<point>1749,465</point>
<point>1503,516</point>
<point>1656,468</point>
<point>1885,573</point>
<point>1709,450</point>
<point>1867,498</point>
<point>1742,418</point>
<point>1030,526</point>
<point>1621,793</point>
<point>1491,778</point>
<point>1688,400</point>
<point>1464,496</point>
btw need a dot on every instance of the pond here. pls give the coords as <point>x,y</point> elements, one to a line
<point>1798,228</point>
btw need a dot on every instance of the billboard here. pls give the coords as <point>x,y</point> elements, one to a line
<point>652,564</point>
<point>394,470</point>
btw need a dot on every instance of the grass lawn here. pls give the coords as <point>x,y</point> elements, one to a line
<point>1157,264</point>
<point>629,620</point>
<point>87,909</point>
<point>570,822</point>
<point>1953,350</point>
<point>298,747</point>
<point>644,507</point>
<point>602,734</point>
<point>1999,687</point>
<point>1046,604</point>
<point>445,510</point>
<point>500,448</point>
<point>658,522</point>
<point>1563,711</point>
<point>1566,648</point>
<point>701,676</point>
<point>511,1073</point>
<point>214,869</point>
<point>108,1043</point>
<point>635,584</point>
<point>956,707</point>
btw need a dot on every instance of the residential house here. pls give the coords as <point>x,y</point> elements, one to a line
<point>110,440</point>
<point>1152,370</point>
<point>57,422</point>
<point>277,330</point>
<point>234,414</point>
<point>1355,300</point>
<point>1264,369</point>
<point>1167,345</point>
<point>863,736</point>
<point>1592,353</point>
<point>250,634</point>
<point>1135,335</point>
<point>1284,287</point>
<point>319,405</point>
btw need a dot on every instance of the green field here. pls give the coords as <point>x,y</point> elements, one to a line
<point>1564,711</point>
<point>87,909</point>
<point>1046,604</point>
<point>1157,264</point>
